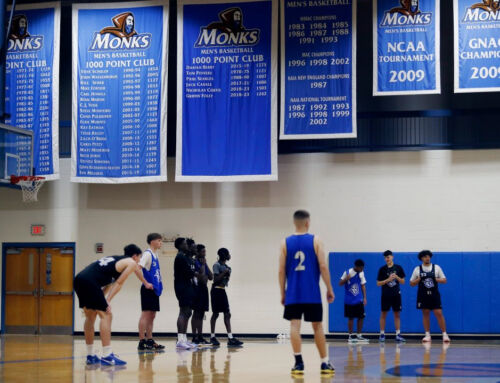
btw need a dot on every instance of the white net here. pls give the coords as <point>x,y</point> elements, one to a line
<point>30,189</point>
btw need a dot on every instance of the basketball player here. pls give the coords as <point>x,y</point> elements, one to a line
<point>184,291</point>
<point>302,261</point>
<point>389,277</point>
<point>220,303</point>
<point>94,299</point>
<point>427,276</point>
<point>354,283</point>
<point>150,298</point>
<point>200,302</point>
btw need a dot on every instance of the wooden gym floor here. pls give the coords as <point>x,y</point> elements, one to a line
<point>62,359</point>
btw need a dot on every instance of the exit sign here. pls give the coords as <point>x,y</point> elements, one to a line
<point>37,229</point>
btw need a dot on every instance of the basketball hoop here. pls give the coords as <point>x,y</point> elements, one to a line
<point>29,185</point>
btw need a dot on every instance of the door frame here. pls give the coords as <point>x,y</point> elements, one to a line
<point>38,245</point>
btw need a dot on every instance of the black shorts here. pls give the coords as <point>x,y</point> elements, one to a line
<point>392,302</point>
<point>313,312</point>
<point>354,311</point>
<point>90,294</point>
<point>200,301</point>
<point>429,302</point>
<point>220,304</point>
<point>149,300</point>
<point>184,294</point>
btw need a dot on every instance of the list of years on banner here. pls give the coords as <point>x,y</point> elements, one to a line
<point>120,73</point>
<point>28,70</point>
<point>248,73</point>
<point>310,34</point>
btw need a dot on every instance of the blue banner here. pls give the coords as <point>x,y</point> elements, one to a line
<point>119,92</point>
<point>477,45</point>
<point>318,69</point>
<point>226,89</point>
<point>32,84</point>
<point>406,47</point>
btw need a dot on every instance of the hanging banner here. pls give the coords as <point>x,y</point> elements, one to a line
<point>477,45</point>
<point>226,90</point>
<point>119,92</point>
<point>32,82</point>
<point>406,47</point>
<point>318,69</point>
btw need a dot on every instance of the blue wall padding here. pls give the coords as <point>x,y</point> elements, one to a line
<point>470,304</point>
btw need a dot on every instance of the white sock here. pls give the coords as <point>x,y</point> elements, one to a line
<point>184,337</point>
<point>179,337</point>
<point>212,335</point>
<point>398,332</point>
<point>444,333</point>
<point>106,351</point>
<point>382,332</point>
<point>325,360</point>
<point>90,349</point>
<point>427,333</point>
<point>230,335</point>
<point>359,335</point>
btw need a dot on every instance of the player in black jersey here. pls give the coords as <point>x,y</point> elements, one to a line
<point>390,277</point>
<point>201,300</point>
<point>184,291</point>
<point>95,286</point>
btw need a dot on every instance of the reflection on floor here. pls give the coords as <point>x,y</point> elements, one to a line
<point>62,359</point>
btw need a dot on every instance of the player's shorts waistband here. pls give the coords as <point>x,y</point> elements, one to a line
<point>220,287</point>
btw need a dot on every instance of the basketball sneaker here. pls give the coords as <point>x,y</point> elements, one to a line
<point>362,339</point>
<point>381,338</point>
<point>233,342</point>
<point>183,345</point>
<point>92,359</point>
<point>327,369</point>
<point>446,338</point>
<point>298,369</point>
<point>112,360</point>
<point>143,345</point>
<point>426,339</point>
<point>400,339</point>
<point>214,341</point>
<point>154,346</point>
<point>352,339</point>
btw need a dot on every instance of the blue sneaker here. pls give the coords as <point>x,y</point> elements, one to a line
<point>327,369</point>
<point>112,360</point>
<point>298,369</point>
<point>93,359</point>
<point>400,339</point>
<point>381,338</point>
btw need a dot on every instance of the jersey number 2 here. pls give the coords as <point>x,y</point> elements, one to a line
<point>300,255</point>
<point>104,261</point>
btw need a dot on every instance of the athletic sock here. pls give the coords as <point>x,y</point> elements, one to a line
<point>106,351</point>
<point>325,360</point>
<point>444,333</point>
<point>212,335</point>
<point>427,333</point>
<point>298,358</point>
<point>184,337</point>
<point>179,338</point>
<point>398,332</point>
<point>90,349</point>
<point>383,332</point>
<point>230,335</point>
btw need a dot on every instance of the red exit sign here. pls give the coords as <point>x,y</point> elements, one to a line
<point>37,229</point>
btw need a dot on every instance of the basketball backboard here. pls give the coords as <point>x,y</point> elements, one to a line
<point>16,153</point>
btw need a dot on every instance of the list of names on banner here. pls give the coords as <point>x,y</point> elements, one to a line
<point>119,112</point>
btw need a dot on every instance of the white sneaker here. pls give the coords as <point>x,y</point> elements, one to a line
<point>182,345</point>
<point>192,345</point>
<point>362,339</point>
<point>426,339</point>
<point>446,338</point>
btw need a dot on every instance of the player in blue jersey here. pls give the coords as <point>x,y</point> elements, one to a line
<point>355,299</point>
<point>302,262</point>
<point>150,293</point>
<point>95,286</point>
